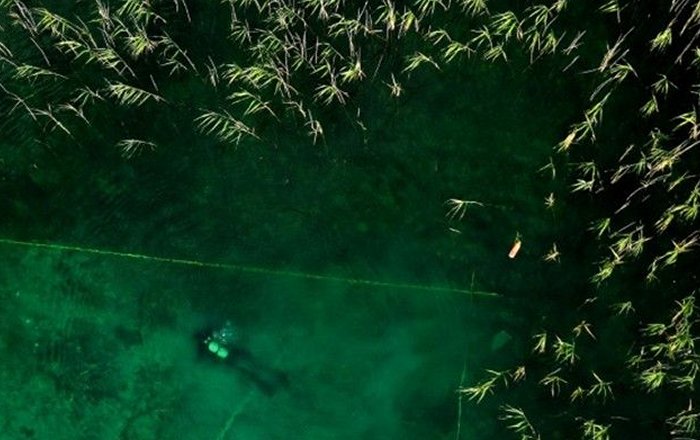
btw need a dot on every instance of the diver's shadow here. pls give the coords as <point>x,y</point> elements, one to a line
<point>268,379</point>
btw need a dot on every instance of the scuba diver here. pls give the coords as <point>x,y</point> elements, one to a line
<point>224,345</point>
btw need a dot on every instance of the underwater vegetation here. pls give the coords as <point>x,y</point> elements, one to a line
<point>616,359</point>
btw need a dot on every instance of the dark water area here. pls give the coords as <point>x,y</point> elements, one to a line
<point>100,346</point>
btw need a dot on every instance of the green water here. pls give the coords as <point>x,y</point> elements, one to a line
<point>97,346</point>
<point>321,360</point>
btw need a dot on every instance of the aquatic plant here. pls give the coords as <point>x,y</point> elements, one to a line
<point>457,208</point>
<point>133,147</point>
<point>517,421</point>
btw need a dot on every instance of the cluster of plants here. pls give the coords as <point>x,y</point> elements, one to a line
<point>621,356</point>
<point>281,61</point>
<point>304,64</point>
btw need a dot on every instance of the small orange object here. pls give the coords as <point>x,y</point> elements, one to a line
<point>515,249</point>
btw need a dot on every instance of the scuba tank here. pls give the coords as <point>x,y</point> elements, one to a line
<point>221,341</point>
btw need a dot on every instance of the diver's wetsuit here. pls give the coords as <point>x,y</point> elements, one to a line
<point>268,379</point>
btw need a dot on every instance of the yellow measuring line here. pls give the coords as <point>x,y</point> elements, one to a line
<point>245,269</point>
